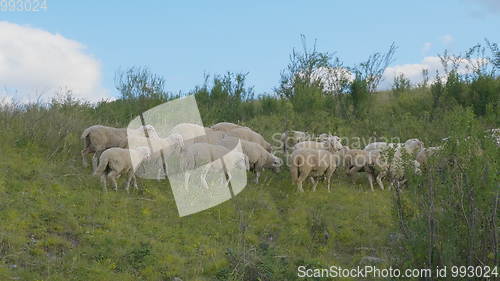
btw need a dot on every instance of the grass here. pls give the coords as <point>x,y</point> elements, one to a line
<point>58,224</point>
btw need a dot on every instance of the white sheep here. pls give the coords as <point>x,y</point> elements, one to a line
<point>424,154</point>
<point>312,163</point>
<point>225,126</point>
<point>291,138</point>
<point>161,149</point>
<point>258,157</point>
<point>97,138</point>
<point>330,143</point>
<point>394,167</point>
<point>116,161</point>
<point>194,133</point>
<point>209,156</point>
<point>356,160</point>
<point>412,146</point>
<point>248,134</point>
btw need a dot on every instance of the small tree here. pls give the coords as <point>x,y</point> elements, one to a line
<point>373,68</point>
<point>302,65</point>
<point>401,84</point>
<point>140,82</point>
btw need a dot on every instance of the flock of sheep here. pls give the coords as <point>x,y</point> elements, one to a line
<point>119,151</point>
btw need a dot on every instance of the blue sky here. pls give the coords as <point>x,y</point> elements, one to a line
<point>182,40</point>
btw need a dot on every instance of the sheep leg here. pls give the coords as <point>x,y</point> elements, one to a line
<point>187,175</point>
<point>95,160</point>
<point>314,183</point>
<point>303,176</point>
<point>370,179</point>
<point>329,178</point>
<point>112,176</point>
<point>84,157</point>
<point>158,175</point>
<point>130,177</point>
<point>104,183</point>
<point>299,186</point>
<point>134,178</point>
<point>229,177</point>
<point>379,181</point>
<point>257,175</point>
<point>204,181</point>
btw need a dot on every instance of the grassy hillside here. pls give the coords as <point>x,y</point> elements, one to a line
<point>58,224</point>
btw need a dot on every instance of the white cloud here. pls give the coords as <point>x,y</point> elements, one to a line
<point>427,47</point>
<point>35,62</point>
<point>411,71</point>
<point>447,39</point>
<point>431,63</point>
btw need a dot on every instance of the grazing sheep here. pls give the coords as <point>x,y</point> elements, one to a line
<point>193,133</point>
<point>425,153</point>
<point>312,163</point>
<point>248,134</point>
<point>331,143</point>
<point>311,145</point>
<point>395,168</point>
<point>412,146</point>
<point>173,142</point>
<point>116,161</point>
<point>380,146</point>
<point>161,148</point>
<point>200,154</point>
<point>258,157</point>
<point>291,138</point>
<point>356,160</point>
<point>97,138</point>
<point>225,126</point>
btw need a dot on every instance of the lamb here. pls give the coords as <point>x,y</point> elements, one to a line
<point>291,138</point>
<point>200,154</point>
<point>225,126</point>
<point>97,138</point>
<point>312,163</point>
<point>116,161</point>
<point>248,134</point>
<point>258,157</point>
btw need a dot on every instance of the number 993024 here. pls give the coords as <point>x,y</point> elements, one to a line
<point>23,5</point>
<point>474,271</point>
